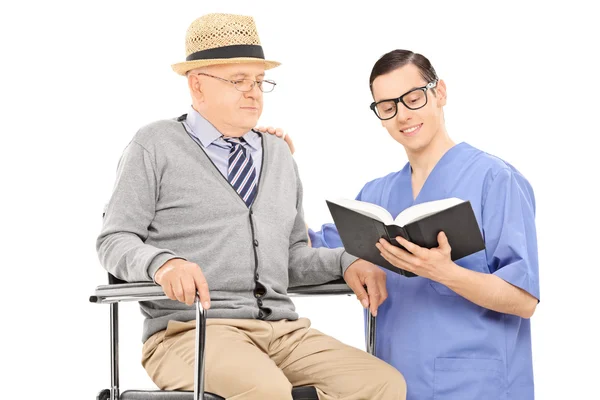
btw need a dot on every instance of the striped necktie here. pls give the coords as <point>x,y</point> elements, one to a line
<point>241,172</point>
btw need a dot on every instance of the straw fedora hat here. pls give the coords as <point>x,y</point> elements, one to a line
<point>222,39</point>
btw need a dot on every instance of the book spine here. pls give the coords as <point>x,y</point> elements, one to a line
<point>382,231</point>
<point>393,231</point>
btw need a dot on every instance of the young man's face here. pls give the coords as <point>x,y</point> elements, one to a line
<point>413,129</point>
<point>226,107</point>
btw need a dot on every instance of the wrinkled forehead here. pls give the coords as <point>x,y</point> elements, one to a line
<point>245,70</point>
<point>397,82</point>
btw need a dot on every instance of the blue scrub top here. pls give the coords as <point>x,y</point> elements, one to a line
<point>447,347</point>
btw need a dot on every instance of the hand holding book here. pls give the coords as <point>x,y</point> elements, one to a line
<point>429,263</point>
<point>361,225</point>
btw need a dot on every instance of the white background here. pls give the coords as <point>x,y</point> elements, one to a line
<point>77,80</point>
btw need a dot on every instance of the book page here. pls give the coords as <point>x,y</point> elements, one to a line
<point>369,209</point>
<point>422,210</point>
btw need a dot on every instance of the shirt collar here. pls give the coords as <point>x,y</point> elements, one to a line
<point>253,139</point>
<point>207,134</point>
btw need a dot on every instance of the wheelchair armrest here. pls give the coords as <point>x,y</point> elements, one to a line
<point>142,291</point>
<point>336,287</point>
<point>138,291</point>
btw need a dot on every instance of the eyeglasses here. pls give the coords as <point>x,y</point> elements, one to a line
<point>246,85</point>
<point>413,100</point>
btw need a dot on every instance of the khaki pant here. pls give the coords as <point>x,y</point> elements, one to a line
<point>252,359</point>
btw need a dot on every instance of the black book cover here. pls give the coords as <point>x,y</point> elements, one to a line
<point>359,233</point>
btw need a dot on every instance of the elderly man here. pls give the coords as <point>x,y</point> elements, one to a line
<point>203,204</point>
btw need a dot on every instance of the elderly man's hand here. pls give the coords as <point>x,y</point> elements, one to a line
<point>279,133</point>
<point>362,273</point>
<point>181,280</point>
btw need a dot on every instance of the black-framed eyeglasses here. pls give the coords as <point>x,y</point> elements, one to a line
<point>246,85</point>
<point>413,100</point>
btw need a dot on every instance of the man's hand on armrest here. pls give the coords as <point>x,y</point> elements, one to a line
<point>181,279</point>
<point>362,273</point>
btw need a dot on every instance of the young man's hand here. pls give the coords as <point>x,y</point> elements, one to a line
<point>279,133</point>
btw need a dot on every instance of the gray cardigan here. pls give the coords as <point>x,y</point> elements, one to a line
<point>169,200</point>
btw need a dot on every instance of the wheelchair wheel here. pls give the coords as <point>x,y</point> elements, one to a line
<point>103,395</point>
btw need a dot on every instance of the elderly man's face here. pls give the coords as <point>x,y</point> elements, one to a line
<point>233,108</point>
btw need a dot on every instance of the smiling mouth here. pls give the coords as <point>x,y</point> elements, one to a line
<point>413,130</point>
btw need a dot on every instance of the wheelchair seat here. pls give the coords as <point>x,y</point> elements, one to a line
<point>120,291</point>
<point>298,393</point>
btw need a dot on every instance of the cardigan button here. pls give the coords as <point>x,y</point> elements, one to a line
<point>255,243</point>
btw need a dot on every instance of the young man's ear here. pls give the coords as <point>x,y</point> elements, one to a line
<point>441,93</point>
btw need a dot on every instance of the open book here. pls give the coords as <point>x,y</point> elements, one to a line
<point>361,225</point>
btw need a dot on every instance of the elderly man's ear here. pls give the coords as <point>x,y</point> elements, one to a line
<point>195,86</point>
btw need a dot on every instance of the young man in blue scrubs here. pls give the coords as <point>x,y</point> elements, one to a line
<point>460,330</point>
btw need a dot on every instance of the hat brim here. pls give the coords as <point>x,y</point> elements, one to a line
<point>183,67</point>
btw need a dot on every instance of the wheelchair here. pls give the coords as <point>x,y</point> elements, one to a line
<point>118,291</point>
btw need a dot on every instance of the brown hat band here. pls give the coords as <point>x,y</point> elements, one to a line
<point>234,51</point>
